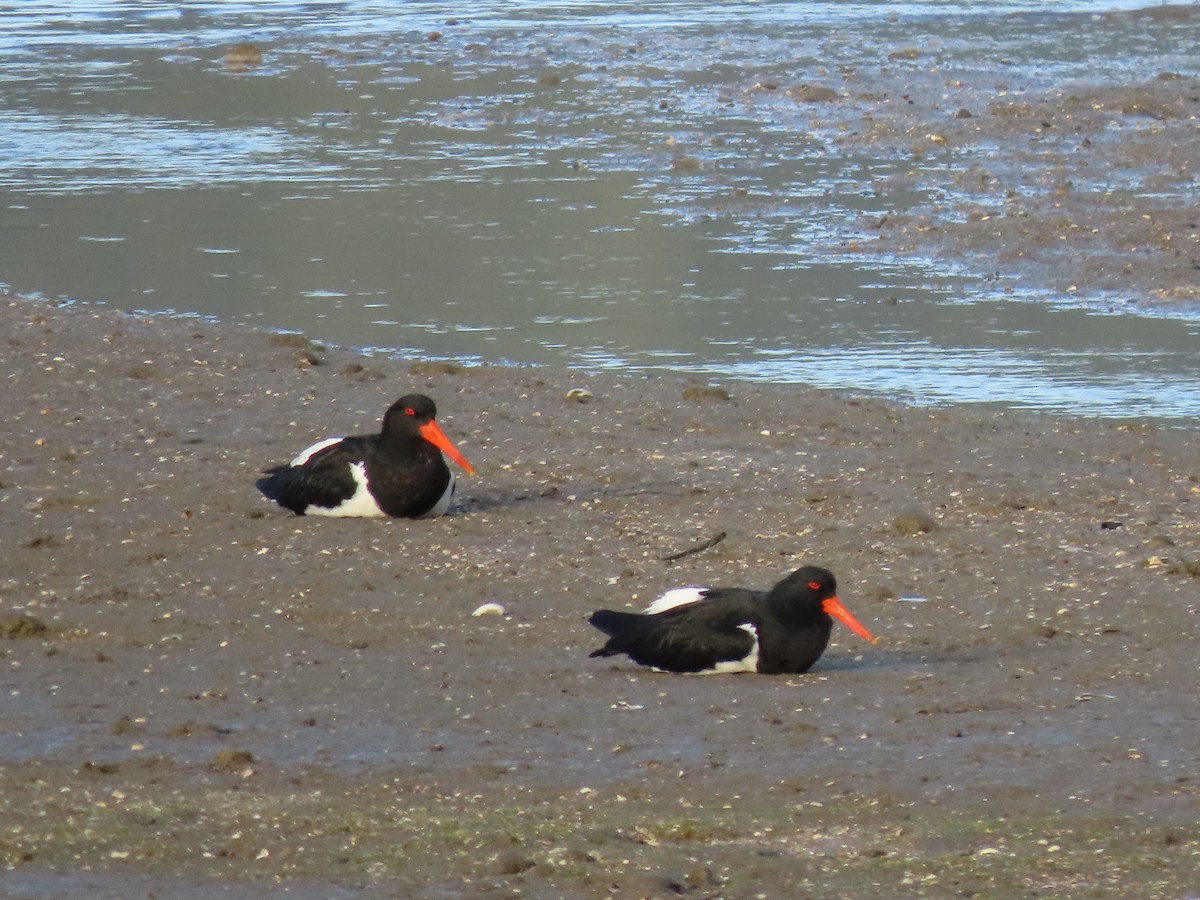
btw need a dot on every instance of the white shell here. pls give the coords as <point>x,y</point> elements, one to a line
<point>489,609</point>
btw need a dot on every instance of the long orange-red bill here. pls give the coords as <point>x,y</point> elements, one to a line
<point>833,606</point>
<point>437,437</point>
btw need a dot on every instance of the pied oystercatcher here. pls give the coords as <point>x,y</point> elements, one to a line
<point>398,472</point>
<point>708,630</point>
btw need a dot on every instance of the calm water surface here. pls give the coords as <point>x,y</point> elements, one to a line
<point>576,183</point>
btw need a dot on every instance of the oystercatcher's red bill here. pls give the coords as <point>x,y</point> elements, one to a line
<point>437,437</point>
<point>833,606</point>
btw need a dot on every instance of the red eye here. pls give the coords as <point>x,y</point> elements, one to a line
<point>410,411</point>
<point>815,585</point>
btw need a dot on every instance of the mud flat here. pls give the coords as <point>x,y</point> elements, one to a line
<point>203,694</point>
<point>1083,189</point>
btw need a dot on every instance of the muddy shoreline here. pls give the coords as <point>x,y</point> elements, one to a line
<point>226,697</point>
<point>203,695</point>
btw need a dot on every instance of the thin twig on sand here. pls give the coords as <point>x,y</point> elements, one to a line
<point>695,548</point>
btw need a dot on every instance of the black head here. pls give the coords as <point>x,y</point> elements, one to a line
<point>410,420</point>
<point>807,586</point>
<point>409,413</point>
<point>810,594</point>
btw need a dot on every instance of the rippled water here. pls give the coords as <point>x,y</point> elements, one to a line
<point>576,183</point>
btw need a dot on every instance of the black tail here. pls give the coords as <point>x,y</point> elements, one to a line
<point>274,483</point>
<point>617,625</point>
<point>614,623</point>
<point>268,486</point>
<point>277,486</point>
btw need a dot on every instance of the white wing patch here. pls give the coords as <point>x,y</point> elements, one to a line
<point>675,598</point>
<point>305,455</point>
<point>361,503</point>
<point>748,663</point>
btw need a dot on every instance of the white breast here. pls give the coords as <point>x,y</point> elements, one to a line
<point>749,663</point>
<point>360,504</point>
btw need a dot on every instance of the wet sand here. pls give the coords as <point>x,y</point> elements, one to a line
<point>204,695</point>
<point>1082,190</point>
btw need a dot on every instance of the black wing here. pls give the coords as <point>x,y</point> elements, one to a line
<point>324,479</point>
<point>689,638</point>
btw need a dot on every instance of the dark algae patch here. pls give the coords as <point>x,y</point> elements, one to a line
<point>22,626</point>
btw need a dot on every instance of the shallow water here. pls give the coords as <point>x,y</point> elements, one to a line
<point>579,183</point>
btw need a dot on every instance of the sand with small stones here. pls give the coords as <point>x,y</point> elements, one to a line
<point>203,693</point>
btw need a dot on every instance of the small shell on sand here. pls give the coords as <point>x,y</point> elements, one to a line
<point>489,609</point>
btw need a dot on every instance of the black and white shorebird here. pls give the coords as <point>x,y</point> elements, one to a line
<point>710,630</point>
<point>399,472</point>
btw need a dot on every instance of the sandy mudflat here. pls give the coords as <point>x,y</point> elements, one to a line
<point>1083,190</point>
<point>227,699</point>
